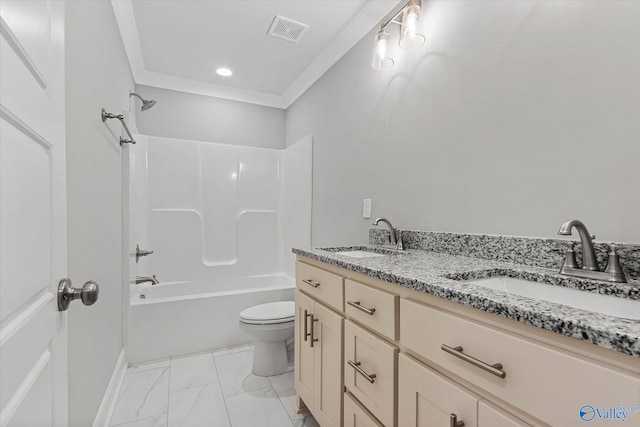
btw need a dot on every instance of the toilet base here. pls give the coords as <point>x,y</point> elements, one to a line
<point>269,358</point>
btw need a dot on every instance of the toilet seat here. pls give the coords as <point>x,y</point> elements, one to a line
<point>268,314</point>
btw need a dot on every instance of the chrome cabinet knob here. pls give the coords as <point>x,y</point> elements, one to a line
<point>88,294</point>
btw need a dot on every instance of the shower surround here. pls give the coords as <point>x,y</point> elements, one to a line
<point>221,220</point>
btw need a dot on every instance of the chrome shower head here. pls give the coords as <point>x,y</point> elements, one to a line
<point>146,104</point>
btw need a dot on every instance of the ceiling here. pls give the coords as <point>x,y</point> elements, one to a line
<point>178,44</point>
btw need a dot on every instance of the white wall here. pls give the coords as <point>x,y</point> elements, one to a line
<point>97,75</point>
<point>187,116</point>
<point>512,118</point>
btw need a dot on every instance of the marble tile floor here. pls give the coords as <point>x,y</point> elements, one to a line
<point>210,389</point>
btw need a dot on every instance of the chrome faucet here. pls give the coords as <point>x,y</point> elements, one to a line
<point>590,268</point>
<point>589,260</point>
<point>394,238</point>
<point>142,279</point>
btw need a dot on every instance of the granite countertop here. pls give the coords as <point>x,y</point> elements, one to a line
<point>435,273</point>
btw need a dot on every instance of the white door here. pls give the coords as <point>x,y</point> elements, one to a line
<point>33,248</point>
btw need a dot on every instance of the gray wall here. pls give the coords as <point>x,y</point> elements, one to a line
<point>97,75</point>
<point>511,119</point>
<point>205,118</point>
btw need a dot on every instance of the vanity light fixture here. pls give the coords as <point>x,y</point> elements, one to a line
<point>410,36</point>
<point>224,72</point>
<point>381,60</point>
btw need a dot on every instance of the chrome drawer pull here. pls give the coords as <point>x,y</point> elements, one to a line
<point>306,333</point>
<point>495,369</point>
<point>311,283</point>
<point>356,366</point>
<point>357,305</point>
<point>454,421</point>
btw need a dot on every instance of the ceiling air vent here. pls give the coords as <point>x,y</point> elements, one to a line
<point>287,29</point>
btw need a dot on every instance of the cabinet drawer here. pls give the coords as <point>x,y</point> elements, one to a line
<point>426,398</point>
<point>546,382</point>
<point>370,372</point>
<point>357,416</point>
<point>376,309</point>
<point>322,285</point>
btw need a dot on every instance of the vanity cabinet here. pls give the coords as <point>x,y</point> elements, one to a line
<point>385,356</point>
<point>319,344</point>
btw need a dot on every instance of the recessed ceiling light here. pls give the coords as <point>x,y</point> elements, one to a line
<point>224,72</point>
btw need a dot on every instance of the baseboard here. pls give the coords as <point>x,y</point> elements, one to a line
<point>103,417</point>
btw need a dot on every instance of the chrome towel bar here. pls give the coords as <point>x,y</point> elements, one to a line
<point>120,117</point>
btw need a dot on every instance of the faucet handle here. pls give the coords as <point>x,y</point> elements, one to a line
<point>400,243</point>
<point>569,259</point>
<point>614,269</point>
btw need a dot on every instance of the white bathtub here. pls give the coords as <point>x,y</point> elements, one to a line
<point>171,319</point>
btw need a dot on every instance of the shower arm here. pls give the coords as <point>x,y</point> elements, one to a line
<point>136,95</point>
<point>120,117</point>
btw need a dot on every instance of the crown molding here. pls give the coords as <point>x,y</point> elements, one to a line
<point>368,17</point>
<point>126,21</point>
<point>165,81</point>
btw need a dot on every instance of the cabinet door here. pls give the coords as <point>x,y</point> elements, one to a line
<point>304,354</point>
<point>491,416</point>
<point>427,399</point>
<point>328,388</point>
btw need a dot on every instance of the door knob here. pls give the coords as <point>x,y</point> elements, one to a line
<point>67,293</point>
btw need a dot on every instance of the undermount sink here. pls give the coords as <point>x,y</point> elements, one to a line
<point>361,251</point>
<point>359,254</point>
<point>604,304</point>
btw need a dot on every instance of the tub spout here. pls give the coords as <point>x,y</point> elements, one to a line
<point>143,279</point>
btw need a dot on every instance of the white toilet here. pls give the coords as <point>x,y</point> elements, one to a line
<point>271,326</point>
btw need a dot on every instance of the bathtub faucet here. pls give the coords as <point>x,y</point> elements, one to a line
<point>142,279</point>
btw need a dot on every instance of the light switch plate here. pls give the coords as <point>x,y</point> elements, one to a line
<point>366,208</point>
